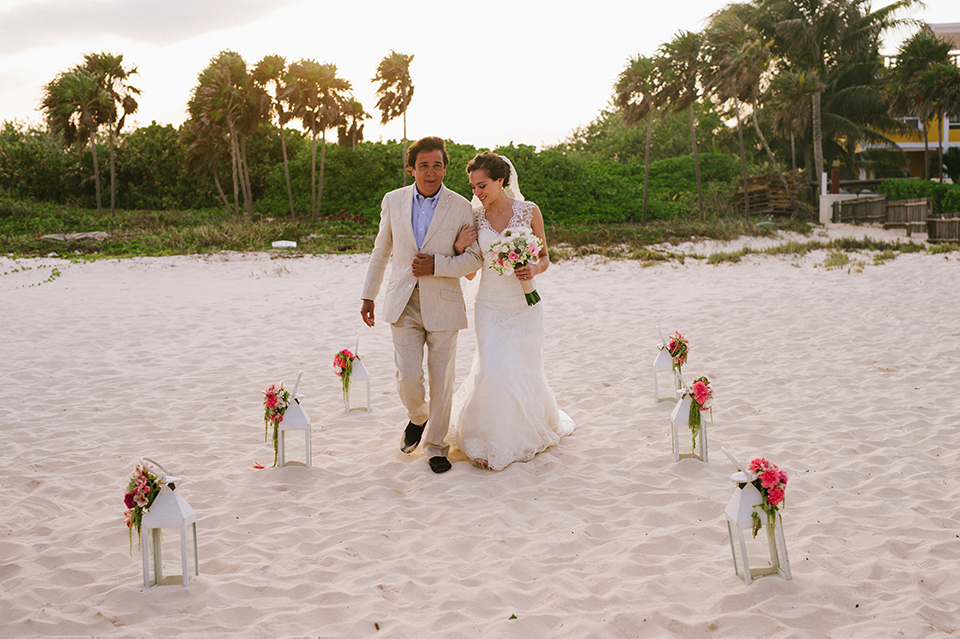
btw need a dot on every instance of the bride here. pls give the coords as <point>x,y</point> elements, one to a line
<point>505,411</point>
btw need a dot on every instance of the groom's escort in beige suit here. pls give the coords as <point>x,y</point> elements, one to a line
<point>423,310</point>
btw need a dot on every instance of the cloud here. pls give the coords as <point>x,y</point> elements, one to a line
<point>34,25</point>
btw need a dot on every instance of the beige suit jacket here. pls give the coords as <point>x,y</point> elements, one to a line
<point>441,298</point>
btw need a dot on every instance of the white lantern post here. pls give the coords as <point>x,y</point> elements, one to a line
<point>169,510</point>
<point>739,516</point>
<point>680,421</point>
<point>294,418</point>
<point>358,375</point>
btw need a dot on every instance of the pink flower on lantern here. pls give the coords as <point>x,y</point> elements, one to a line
<point>128,500</point>
<point>758,463</point>
<point>271,401</point>
<point>770,478</point>
<point>783,477</point>
<point>702,393</point>
<point>775,496</point>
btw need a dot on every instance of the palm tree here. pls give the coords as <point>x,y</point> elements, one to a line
<point>816,35</point>
<point>635,97</point>
<point>680,86</point>
<point>226,103</point>
<point>942,83</point>
<point>316,97</point>
<point>71,103</point>
<point>912,83</point>
<point>395,91</point>
<point>737,60</point>
<point>789,106</point>
<point>272,68</point>
<point>108,68</point>
<point>354,115</point>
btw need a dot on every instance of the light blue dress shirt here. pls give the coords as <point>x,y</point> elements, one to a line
<point>423,210</point>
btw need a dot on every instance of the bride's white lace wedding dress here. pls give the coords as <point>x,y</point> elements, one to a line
<point>505,411</point>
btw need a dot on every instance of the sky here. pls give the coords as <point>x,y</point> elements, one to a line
<point>485,73</point>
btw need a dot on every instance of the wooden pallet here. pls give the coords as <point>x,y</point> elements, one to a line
<point>767,196</point>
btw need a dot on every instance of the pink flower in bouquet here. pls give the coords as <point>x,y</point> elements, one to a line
<point>534,248</point>
<point>702,393</point>
<point>775,496</point>
<point>513,257</point>
<point>770,478</point>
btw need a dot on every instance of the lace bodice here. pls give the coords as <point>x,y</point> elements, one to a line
<point>521,218</point>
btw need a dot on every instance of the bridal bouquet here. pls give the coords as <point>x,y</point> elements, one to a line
<point>772,483</point>
<point>343,366</point>
<point>701,394</point>
<point>142,489</point>
<point>678,348</point>
<point>275,402</point>
<point>514,249</point>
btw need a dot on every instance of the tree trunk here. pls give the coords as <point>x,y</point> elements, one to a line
<point>323,157</point>
<point>286,171</point>
<point>696,161</point>
<point>926,152</point>
<point>646,165</point>
<point>96,170</point>
<point>940,119</point>
<point>817,139</point>
<point>113,174</point>
<point>245,178</point>
<point>793,152</point>
<point>223,196</point>
<point>233,170</point>
<point>743,161</point>
<point>776,165</point>
<point>404,159</point>
<point>313,180</point>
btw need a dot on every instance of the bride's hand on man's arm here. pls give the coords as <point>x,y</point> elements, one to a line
<point>466,237</point>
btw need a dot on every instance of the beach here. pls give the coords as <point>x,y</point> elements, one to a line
<point>844,377</point>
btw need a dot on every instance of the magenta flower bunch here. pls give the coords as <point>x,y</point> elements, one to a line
<point>772,484</point>
<point>142,490</point>
<point>678,348</point>
<point>343,366</point>
<point>275,401</point>
<point>701,395</point>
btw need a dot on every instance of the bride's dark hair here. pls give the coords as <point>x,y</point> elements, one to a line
<point>495,166</point>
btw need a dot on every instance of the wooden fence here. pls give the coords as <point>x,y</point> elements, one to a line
<point>869,210</point>
<point>943,230</point>
<point>909,214</point>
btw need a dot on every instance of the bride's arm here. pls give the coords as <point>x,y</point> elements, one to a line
<point>543,260</point>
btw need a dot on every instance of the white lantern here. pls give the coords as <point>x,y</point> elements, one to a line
<point>680,428</point>
<point>358,377</point>
<point>664,373</point>
<point>739,516</point>
<point>294,418</point>
<point>168,510</point>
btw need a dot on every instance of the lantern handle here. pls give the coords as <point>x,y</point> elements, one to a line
<point>166,477</point>
<point>295,387</point>
<point>663,340</point>
<point>746,471</point>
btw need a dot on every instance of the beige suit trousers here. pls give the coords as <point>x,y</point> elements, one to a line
<point>409,338</point>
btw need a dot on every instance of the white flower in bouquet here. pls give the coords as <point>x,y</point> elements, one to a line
<point>517,248</point>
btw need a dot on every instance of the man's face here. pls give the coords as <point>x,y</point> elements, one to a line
<point>428,172</point>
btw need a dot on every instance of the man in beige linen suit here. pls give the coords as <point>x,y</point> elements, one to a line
<point>423,302</point>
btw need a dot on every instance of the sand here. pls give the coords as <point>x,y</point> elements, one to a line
<point>846,378</point>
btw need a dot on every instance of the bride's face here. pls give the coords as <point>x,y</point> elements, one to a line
<point>486,190</point>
